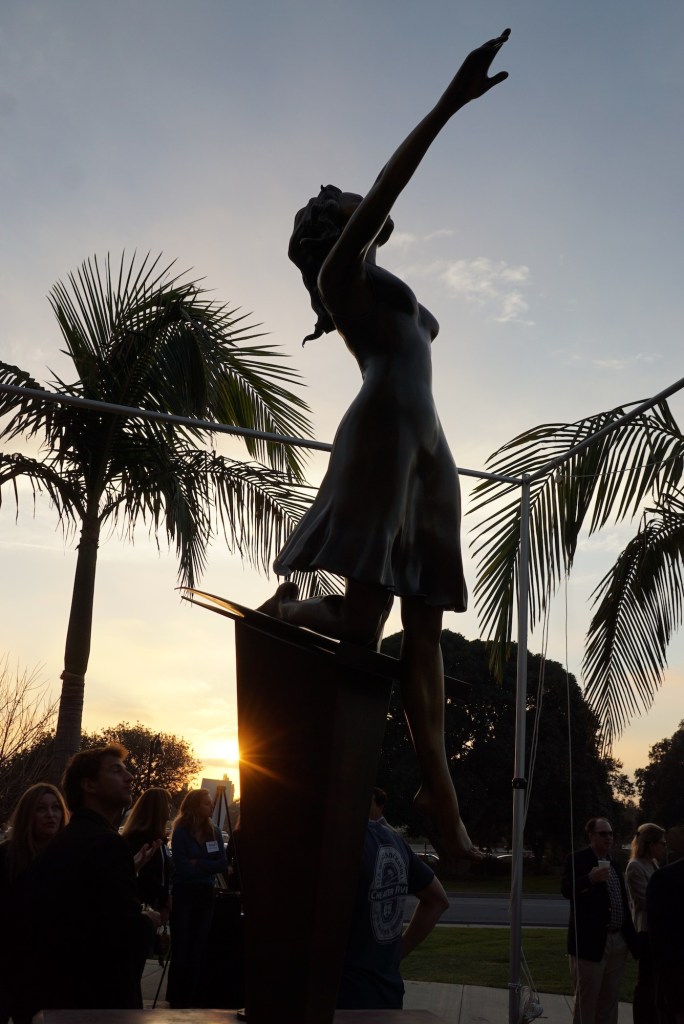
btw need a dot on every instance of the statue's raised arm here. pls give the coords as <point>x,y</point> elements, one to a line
<point>348,255</point>
<point>387,514</point>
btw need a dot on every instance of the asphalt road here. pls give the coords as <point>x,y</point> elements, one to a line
<point>537,911</point>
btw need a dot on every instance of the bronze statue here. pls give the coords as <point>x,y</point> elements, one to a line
<point>387,515</point>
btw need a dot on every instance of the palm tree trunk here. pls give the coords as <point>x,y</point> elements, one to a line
<point>77,649</point>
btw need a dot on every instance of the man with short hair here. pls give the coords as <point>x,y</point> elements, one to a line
<point>665,909</point>
<point>92,934</point>
<point>390,870</point>
<point>600,930</point>
<point>377,807</point>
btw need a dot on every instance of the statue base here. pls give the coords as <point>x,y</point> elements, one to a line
<point>311,718</point>
<point>163,1016</point>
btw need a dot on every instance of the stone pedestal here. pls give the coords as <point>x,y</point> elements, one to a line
<point>311,717</point>
<point>226,1017</point>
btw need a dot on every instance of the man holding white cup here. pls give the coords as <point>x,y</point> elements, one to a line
<point>600,930</point>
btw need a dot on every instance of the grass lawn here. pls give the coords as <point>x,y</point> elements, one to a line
<point>542,885</point>
<point>479,956</point>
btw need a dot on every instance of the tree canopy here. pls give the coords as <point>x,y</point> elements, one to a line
<point>661,782</point>
<point>155,759</point>
<point>562,751</point>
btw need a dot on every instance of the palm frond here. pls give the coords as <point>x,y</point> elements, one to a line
<point>638,606</point>
<point>62,487</point>
<point>31,416</point>
<point>151,339</point>
<point>609,479</point>
<point>194,494</point>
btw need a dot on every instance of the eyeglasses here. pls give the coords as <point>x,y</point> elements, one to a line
<point>604,835</point>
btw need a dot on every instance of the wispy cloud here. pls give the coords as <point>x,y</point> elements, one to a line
<point>490,283</point>
<point>439,233</point>
<point>610,362</point>
<point>401,240</point>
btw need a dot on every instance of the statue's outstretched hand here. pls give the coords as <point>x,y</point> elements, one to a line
<point>472,78</point>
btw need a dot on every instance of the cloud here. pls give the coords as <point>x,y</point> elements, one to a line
<point>401,240</point>
<point>439,233</point>
<point>610,362</point>
<point>486,282</point>
<point>623,364</point>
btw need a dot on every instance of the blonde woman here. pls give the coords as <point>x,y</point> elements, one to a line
<point>198,856</point>
<point>40,814</point>
<point>648,848</point>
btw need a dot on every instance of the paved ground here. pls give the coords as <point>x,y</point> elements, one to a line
<point>456,1004</point>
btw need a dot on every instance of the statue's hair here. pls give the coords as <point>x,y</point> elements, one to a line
<point>316,229</point>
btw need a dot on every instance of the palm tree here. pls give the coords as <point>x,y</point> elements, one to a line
<point>141,336</point>
<point>634,470</point>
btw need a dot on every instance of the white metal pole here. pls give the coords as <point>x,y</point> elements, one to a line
<point>519,780</point>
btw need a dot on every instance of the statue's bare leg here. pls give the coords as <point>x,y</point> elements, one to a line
<point>358,617</point>
<point>422,689</point>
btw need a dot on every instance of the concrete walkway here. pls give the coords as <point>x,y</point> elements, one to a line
<point>455,1004</point>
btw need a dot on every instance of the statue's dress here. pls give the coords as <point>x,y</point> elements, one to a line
<point>388,509</point>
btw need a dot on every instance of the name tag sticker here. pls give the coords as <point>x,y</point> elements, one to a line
<point>212,846</point>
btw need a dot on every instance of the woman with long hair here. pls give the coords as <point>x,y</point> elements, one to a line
<point>146,824</point>
<point>387,514</point>
<point>647,850</point>
<point>198,856</point>
<point>39,815</point>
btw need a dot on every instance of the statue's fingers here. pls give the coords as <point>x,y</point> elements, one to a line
<point>496,79</point>
<point>498,42</point>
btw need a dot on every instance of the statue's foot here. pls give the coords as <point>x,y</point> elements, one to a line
<point>285,593</point>
<point>445,828</point>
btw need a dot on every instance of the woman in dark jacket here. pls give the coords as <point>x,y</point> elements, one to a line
<point>146,825</point>
<point>40,814</point>
<point>198,856</point>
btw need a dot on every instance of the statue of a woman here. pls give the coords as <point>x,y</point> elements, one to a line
<point>387,515</point>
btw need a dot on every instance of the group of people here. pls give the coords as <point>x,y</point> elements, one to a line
<point>86,898</point>
<point>612,916</point>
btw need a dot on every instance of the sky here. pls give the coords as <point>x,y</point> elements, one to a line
<point>543,229</point>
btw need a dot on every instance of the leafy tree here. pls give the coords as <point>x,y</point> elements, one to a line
<point>155,759</point>
<point>480,742</point>
<point>661,782</point>
<point>633,470</point>
<point>138,336</point>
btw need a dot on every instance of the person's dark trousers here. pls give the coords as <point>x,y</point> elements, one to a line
<point>192,909</point>
<point>643,1003</point>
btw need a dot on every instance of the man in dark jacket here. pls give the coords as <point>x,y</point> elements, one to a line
<point>665,908</point>
<point>92,933</point>
<point>600,931</point>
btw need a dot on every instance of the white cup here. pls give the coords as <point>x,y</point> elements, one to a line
<point>604,863</point>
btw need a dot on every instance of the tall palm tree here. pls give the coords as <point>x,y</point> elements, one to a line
<point>632,472</point>
<point>139,335</point>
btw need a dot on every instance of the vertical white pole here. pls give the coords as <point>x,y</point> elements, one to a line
<point>519,780</point>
